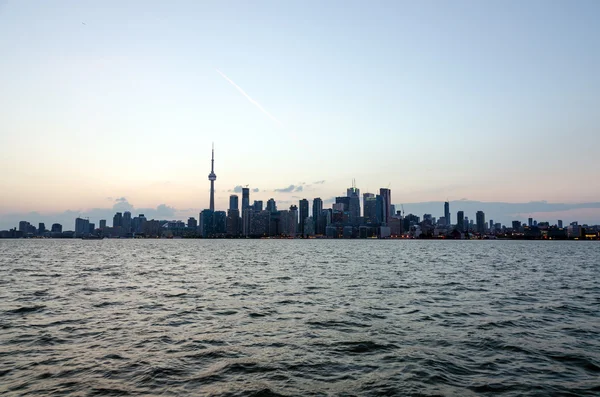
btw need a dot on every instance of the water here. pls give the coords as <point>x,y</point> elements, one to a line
<point>193,317</point>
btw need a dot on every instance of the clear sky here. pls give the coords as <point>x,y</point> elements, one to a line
<point>483,100</point>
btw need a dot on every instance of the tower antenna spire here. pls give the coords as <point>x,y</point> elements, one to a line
<point>212,177</point>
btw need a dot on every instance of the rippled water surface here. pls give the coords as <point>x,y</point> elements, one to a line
<point>280,317</point>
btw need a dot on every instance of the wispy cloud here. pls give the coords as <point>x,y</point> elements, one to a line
<point>248,97</point>
<point>319,182</point>
<point>289,189</point>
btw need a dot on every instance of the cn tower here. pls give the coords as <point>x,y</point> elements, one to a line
<point>212,177</point>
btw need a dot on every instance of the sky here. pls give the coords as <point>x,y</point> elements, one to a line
<point>492,101</point>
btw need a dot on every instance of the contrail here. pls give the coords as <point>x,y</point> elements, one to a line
<point>258,105</point>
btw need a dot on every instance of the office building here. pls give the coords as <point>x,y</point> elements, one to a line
<point>386,195</point>
<point>56,228</point>
<point>41,228</point>
<point>271,205</point>
<point>207,223</point>
<point>480,216</point>
<point>118,220</point>
<point>126,222</point>
<point>233,222</point>
<point>460,221</point>
<point>102,223</point>
<point>353,195</point>
<point>258,206</point>
<point>370,208</point>
<point>560,223</point>
<point>82,227</point>
<point>192,223</point>
<point>317,208</point>
<point>233,202</point>
<point>447,213</point>
<point>245,198</point>
<point>303,214</point>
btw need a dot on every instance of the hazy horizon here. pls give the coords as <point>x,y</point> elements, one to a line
<point>494,102</point>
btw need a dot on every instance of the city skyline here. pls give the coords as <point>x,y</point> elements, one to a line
<point>484,101</point>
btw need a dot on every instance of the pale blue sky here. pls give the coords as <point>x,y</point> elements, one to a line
<point>492,101</point>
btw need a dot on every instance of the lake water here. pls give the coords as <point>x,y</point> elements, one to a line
<point>291,317</point>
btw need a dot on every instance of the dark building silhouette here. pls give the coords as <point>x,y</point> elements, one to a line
<point>303,215</point>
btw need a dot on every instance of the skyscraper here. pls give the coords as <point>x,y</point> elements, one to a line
<point>245,198</point>
<point>480,217</point>
<point>102,223</point>
<point>118,220</point>
<point>316,211</point>
<point>460,221</point>
<point>233,202</point>
<point>126,222</point>
<point>386,195</point>
<point>303,215</point>
<point>257,206</point>
<point>447,213</point>
<point>82,227</point>
<point>353,195</point>
<point>271,205</point>
<point>369,208</point>
<point>212,177</point>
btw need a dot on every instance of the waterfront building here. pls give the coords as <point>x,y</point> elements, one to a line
<point>220,222</point>
<point>560,224</point>
<point>233,222</point>
<point>293,221</point>
<point>192,223</point>
<point>41,228</point>
<point>480,216</point>
<point>24,227</point>
<point>56,228</point>
<point>207,223</point>
<point>303,215</point>
<point>317,208</point>
<point>370,208</point>
<point>460,221</point>
<point>258,206</point>
<point>102,223</point>
<point>271,205</point>
<point>233,202</point>
<point>245,198</point>
<point>117,220</point>
<point>386,195</point>
<point>353,195</point>
<point>126,222</point>
<point>82,227</point>
<point>447,213</point>
<point>530,222</point>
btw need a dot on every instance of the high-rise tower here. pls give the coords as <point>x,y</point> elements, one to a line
<point>212,177</point>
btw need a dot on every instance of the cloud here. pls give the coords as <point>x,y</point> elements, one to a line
<point>256,190</point>
<point>121,200</point>
<point>298,189</point>
<point>288,189</point>
<point>319,182</point>
<point>237,189</point>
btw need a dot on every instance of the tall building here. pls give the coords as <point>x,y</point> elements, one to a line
<point>41,228</point>
<point>82,227</point>
<point>233,202</point>
<point>370,208</point>
<point>293,221</point>
<point>447,213</point>
<point>257,206</point>
<point>118,220</point>
<point>207,223</point>
<point>126,222</point>
<point>353,195</point>
<point>480,217</point>
<point>233,222</point>
<point>530,222</point>
<point>386,195</point>
<point>316,211</point>
<point>271,205</point>
<point>460,221</point>
<point>24,227</point>
<point>303,215</point>
<point>560,223</point>
<point>56,228</point>
<point>212,177</point>
<point>102,223</point>
<point>245,198</point>
<point>220,222</point>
